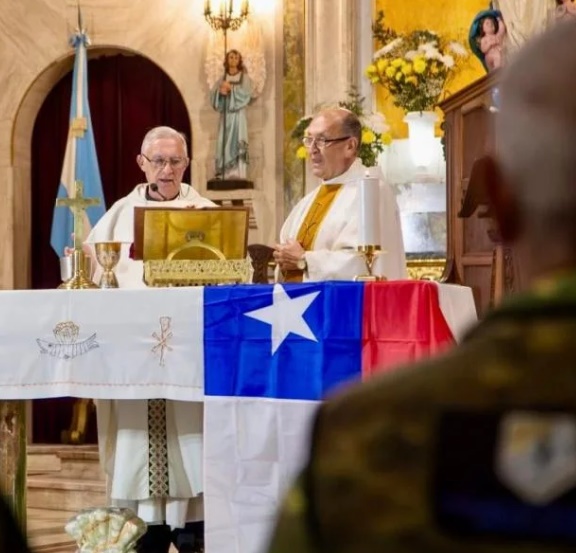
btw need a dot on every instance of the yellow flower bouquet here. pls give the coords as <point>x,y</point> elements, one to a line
<point>415,68</point>
<point>375,135</point>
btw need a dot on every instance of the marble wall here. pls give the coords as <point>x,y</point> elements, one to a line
<point>34,54</point>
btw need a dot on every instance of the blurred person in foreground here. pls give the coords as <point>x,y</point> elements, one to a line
<point>474,451</point>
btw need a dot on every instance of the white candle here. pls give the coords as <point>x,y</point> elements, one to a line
<point>369,216</point>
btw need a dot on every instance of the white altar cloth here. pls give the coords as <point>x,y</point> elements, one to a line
<point>119,351</point>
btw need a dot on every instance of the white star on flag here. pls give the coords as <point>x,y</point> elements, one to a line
<point>285,315</point>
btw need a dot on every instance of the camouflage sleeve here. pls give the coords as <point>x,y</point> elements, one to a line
<point>292,532</point>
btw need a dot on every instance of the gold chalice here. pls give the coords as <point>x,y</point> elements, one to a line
<point>108,255</point>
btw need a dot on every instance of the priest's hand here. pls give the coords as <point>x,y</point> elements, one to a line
<point>289,256</point>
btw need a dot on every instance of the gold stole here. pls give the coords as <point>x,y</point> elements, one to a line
<point>311,223</point>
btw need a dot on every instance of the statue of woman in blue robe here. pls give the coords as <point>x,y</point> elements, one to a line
<point>230,96</point>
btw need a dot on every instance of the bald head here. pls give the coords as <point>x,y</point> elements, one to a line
<point>341,130</point>
<point>536,126</point>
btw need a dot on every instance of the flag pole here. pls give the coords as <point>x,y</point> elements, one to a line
<point>80,160</point>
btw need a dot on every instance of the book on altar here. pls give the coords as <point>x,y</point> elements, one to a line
<point>194,234</point>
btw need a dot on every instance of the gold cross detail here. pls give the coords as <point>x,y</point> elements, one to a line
<point>79,126</point>
<point>78,204</point>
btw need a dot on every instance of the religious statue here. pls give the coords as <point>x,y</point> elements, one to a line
<point>230,96</point>
<point>486,38</point>
<point>565,10</point>
<point>236,88</point>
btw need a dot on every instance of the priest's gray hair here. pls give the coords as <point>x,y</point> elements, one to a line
<point>536,130</point>
<point>163,132</point>
<point>352,126</point>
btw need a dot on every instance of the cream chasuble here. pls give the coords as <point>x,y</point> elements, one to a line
<point>311,223</point>
<point>333,254</point>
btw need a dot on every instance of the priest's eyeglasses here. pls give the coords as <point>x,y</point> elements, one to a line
<point>160,162</point>
<point>321,142</point>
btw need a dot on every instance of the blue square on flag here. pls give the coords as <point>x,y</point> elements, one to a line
<point>294,341</point>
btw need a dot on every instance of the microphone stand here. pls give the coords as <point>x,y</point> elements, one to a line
<point>154,187</point>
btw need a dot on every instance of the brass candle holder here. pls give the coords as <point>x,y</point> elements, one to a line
<point>108,255</point>
<point>369,252</point>
<point>80,280</point>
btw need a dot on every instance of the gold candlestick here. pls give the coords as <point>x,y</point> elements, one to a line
<point>80,280</point>
<point>369,252</point>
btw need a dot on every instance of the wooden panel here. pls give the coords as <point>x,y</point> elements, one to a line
<point>469,136</point>
<point>478,277</point>
<point>476,235</point>
<point>474,136</point>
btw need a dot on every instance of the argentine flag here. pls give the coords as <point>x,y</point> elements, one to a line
<point>80,161</point>
<point>271,353</point>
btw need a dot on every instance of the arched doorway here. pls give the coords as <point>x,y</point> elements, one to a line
<point>128,95</point>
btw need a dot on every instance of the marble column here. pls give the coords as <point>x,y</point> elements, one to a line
<point>13,456</point>
<point>331,47</point>
<point>338,46</point>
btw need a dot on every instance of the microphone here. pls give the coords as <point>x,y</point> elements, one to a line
<point>154,187</point>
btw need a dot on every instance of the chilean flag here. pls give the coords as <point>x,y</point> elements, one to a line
<point>271,354</point>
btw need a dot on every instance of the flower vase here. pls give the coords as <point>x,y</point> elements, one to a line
<point>421,137</point>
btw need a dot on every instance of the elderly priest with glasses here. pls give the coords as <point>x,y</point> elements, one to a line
<point>321,236</point>
<point>163,159</point>
<point>165,491</point>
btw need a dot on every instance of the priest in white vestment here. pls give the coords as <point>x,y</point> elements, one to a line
<point>134,434</point>
<point>320,237</point>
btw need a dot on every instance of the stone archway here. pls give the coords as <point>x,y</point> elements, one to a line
<point>21,159</point>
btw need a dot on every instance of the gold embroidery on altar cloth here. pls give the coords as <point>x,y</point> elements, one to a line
<point>162,339</point>
<point>66,344</point>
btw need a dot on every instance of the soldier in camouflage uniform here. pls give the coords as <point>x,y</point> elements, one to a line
<point>473,452</point>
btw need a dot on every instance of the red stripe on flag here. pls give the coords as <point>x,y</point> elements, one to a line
<point>402,322</point>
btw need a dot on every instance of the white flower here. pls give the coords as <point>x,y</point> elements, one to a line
<point>388,48</point>
<point>448,61</point>
<point>376,122</point>
<point>411,54</point>
<point>457,48</point>
<point>430,51</point>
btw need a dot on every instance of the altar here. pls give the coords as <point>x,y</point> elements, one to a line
<point>260,358</point>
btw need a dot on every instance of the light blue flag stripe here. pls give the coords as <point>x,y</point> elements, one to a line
<point>80,161</point>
